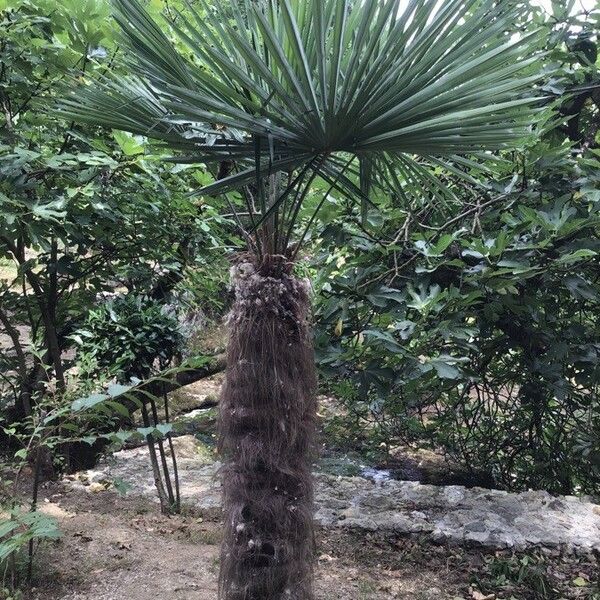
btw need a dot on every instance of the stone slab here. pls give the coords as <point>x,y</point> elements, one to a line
<point>474,517</point>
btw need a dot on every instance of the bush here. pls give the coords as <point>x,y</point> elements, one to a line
<point>129,336</point>
<point>470,322</point>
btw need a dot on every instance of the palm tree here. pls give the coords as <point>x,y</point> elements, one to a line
<point>273,94</point>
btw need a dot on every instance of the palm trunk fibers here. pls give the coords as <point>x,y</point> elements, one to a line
<point>267,430</point>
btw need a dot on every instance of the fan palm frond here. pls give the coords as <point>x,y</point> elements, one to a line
<point>272,85</point>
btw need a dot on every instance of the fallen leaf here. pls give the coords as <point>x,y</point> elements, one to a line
<point>326,558</point>
<point>96,487</point>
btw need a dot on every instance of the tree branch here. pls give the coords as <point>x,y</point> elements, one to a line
<point>158,386</point>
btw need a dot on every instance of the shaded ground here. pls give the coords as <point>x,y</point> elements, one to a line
<point>463,516</point>
<point>121,548</point>
<point>118,548</point>
<point>340,452</point>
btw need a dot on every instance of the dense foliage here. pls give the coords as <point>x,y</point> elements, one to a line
<point>85,214</point>
<point>83,211</point>
<point>473,326</point>
<point>129,336</point>
<point>456,299</point>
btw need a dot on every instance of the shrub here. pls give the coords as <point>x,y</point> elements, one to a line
<point>128,336</point>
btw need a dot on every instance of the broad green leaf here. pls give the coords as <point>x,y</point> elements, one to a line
<point>88,402</point>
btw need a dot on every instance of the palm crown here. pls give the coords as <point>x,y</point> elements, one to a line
<point>291,85</point>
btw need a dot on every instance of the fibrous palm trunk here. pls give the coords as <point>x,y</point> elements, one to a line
<point>267,425</point>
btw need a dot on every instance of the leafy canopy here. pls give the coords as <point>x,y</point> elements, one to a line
<point>283,86</point>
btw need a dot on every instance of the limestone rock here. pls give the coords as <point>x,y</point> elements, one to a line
<point>452,514</point>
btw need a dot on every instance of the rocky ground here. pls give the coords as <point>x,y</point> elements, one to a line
<point>450,514</point>
<point>121,548</point>
<point>378,538</point>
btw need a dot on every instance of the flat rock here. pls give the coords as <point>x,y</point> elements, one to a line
<point>452,514</point>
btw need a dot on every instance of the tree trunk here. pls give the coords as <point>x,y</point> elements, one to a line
<point>267,429</point>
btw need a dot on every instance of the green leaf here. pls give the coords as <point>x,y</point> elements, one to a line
<point>88,402</point>
<point>7,527</point>
<point>576,256</point>
<point>122,487</point>
<point>384,338</point>
<point>130,144</point>
<point>580,288</point>
<point>114,390</point>
<point>445,370</point>
<point>146,431</point>
<point>164,428</point>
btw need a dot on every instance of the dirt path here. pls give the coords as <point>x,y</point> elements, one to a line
<point>121,548</point>
<point>116,548</point>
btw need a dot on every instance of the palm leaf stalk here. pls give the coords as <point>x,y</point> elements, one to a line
<point>358,93</point>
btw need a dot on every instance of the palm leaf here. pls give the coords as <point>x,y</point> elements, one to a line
<point>299,79</point>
